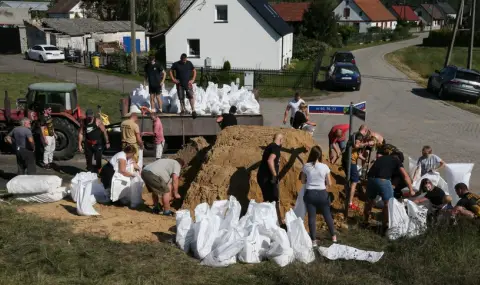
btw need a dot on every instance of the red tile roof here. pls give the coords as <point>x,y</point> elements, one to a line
<point>291,12</point>
<point>405,13</point>
<point>375,10</point>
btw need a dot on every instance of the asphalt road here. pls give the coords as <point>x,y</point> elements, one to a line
<point>403,112</point>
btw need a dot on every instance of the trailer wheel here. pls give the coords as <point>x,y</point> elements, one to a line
<point>67,139</point>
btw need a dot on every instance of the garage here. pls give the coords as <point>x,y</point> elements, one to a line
<point>12,45</point>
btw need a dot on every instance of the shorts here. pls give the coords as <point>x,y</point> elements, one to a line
<point>379,186</point>
<point>181,91</point>
<point>291,122</point>
<point>155,90</point>
<point>342,145</point>
<point>270,191</point>
<point>354,176</point>
<point>159,150</point>
<point>154,183</point>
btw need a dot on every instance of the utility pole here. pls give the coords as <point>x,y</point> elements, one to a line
<point>472,34</point>
<point>133,38</point>
<point>454,34</point>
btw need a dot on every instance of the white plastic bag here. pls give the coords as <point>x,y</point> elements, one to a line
<point>255,247</point>
<point>136,189</point>
<point>398,220</point>
<point>49,197</point>
<point>201,211</point>
<point>300,208</point>
<point>185,233</point>
<point>339,251</point>
<point>205,234</point>
<point>219,208</point>
<point>84,201</point>
<point>33,184</point>
<point>233,214</point>
<point>225,253</point>
<point>280,250</point>
<point>120,187</point>
<point>417,215</point>
<point>79,181</point>
<point>265,214</point>
<point>457,173</point>
<point>299,238</point>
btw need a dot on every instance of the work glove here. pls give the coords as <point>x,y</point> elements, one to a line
<point>274,180</point>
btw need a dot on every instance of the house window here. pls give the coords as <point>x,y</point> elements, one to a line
<point>346,12</point>
<point>360,13</point>
<point>419,13</point>
<point>221,13</point>
<point>193,48</point>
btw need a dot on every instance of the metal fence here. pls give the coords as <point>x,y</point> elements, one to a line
<point>120,63</point>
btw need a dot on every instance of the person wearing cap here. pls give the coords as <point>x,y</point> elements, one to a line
<point>131,134</point>
<point>226,120</point>
<point>155,77</point>
<point>184,81</point>
<point>95,134</point>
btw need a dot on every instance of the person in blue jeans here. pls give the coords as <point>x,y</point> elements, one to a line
<point>316,177</point>
<point>380,182</point>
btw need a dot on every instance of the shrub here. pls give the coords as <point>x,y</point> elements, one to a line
<point>346,32</point>
<point>305,48</point>
<point>442,38</point>
<point>227,66</point>
<point>373,30</point>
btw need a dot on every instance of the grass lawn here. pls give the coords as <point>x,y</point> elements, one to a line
<point>43,252</point>
<point>419,62</point>
<point>89,97</point>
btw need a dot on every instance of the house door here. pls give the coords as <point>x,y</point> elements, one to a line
<point>127,44</point>
<point>12,45</point>
<point>357,26</point>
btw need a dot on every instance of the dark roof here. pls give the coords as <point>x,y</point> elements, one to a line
<point>446,8</point>
<point>63,6</point>
<point>433,11</point>
<point>291,12</point>
<point>263,8</point>
<point>271,17</point>
<point>404,12</point>
<point>78,27</point>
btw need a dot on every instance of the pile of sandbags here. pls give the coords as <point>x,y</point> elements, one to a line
<point>212,101</point>
<point>36,188</point>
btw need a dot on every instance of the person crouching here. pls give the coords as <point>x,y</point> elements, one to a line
<point>120,163</point>
<point>161,178</point>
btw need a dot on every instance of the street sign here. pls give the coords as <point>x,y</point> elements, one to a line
<point>361,114</point>
<point>335,109</point>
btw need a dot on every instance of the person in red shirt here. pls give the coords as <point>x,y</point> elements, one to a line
<point>159,138</point>
<point>337,141</point>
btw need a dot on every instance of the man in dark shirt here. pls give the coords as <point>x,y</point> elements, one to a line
<point>183,80</point>
<point>226,120</point>
<point>379,182</point>
<point>267,175</point>
<point>469,203</point>
<point>155,77</point>
<point>22,140</point>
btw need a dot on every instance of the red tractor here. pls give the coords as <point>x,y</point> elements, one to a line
<point>66,113</point>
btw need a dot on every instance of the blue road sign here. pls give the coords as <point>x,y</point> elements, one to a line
<point>335,109</point>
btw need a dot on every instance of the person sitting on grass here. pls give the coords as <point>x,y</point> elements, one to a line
<point>469,203</point>
<point>301,122</point>
<point>434,194</point>
<point>161,178</point>
<point>120,162</point>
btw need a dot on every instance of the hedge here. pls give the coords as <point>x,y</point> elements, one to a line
<point>442,38</point>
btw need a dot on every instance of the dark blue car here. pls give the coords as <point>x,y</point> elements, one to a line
<point>344,74</point>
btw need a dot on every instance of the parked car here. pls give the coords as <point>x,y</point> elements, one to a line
<point>455,83</point>
<point>344,74</point>
<point>342,56</point>
<point>45,53</point>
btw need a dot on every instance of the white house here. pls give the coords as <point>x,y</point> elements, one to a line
<point>69,9</point>
<point>364,14</point>
<point>247,33</point>
<point>79,33</point>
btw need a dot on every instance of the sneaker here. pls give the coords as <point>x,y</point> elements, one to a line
<point>168,213</point>
<point>156,210</point>
<point>47,166</point>
<point>354,207</point>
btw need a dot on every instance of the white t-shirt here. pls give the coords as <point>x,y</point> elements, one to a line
<point>294,105</point>
<point>121,155</point>
<point>316,175</point>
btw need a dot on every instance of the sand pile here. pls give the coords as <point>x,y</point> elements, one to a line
<point>231,167</point>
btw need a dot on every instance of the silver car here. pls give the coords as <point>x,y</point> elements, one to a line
<point>455,83</point>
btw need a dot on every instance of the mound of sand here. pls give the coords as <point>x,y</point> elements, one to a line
<point>231,167</point>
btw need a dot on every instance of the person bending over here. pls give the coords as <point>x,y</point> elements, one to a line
<point>120,162</point>
<point>337,141</point>
<point>469,203</point>
<point>316,177</point>
<point>301,122</point>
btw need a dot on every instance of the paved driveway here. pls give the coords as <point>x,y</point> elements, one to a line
<point>396,106</point>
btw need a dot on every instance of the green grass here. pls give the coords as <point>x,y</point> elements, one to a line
<point>89,97</point>
<point>45,252</point>
<point>419,62</point>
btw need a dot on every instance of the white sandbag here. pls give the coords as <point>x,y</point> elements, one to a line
<point>49,197</point>
<point>185,233</point>
<point>413,170</point>
<point>140,160</point>
<point>136,189</point>
<point>33,184</point>
<point>339,251</point>
<point>417,215</point>
<point>233,214</point>
<point>299,238</point>
<point>280,250</point>
<point>225,254</point>
<point>201,211</point>
<point>398,220</point>
<point>205,233</point>
<point>99,192</point>
<point>255,247</point>
<point>120,187</point>
<point>219,208</point>
<point>457,173</point>
<point>300,208</point>
<point>79,181</point>
<point>265,214</point>
<point>139,97</point>
<point>84,201</point>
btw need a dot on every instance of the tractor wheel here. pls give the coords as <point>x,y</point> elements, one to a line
<point>67,139</point>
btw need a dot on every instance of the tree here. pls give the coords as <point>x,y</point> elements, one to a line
<point>319,22</point>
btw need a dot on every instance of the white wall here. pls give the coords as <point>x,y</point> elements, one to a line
<point>64,41</point>
<point>118,37</point>
<point>357,15</point>
<point>246,41</point>
<point>287,51</point>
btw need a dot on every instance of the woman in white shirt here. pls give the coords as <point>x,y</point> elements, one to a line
<point>118,163</point>
<point>316,177</point>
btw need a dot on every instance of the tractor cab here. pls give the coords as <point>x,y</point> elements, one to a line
<point>61,97</point>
